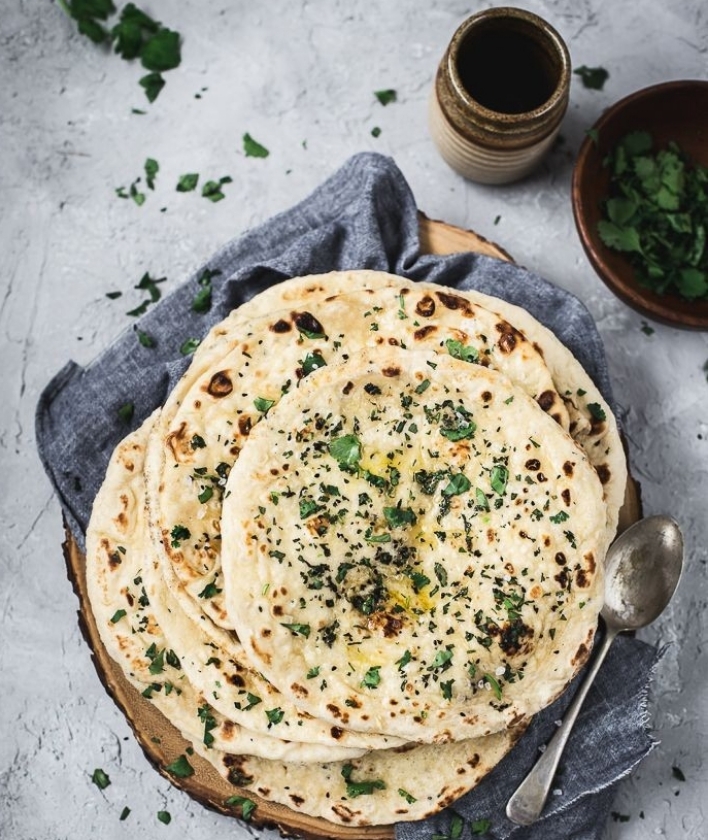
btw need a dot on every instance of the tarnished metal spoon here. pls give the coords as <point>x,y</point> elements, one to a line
<point>642,571</point>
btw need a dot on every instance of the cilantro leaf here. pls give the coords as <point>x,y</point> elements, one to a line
<point>387,96</point>
<point>593,78</point>
<point>187,182</point>
<point>152,84</point>
<point>162,51</point>
<point>180,767</point>
<point>253,148</point>
<point>100,779</point>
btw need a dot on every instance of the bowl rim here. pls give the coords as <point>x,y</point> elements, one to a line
<point>647,302</point>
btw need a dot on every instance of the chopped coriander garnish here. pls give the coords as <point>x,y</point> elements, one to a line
<point>189,346</point>
<point>458,350</point>
<point>274,716</point>
<point>164,817</point>
<point>151,167</point>
<point>297,629</point>
<point>263,404</point>
<point>212,189</point>
<point>252,148</point>
<point>593,78</point>
<point>187,182</point>
<point>117,615</point>
<point>126,412</point>
<point>363,788</point>
<point>180,768</point>
<point>410,799</point>
<point>372,677</point>
<point>179,533</point>
<point>124,813</point>
<point>100,779</point>
<point>145,339</point>
<point>387,96</point>
<point>248,806</point>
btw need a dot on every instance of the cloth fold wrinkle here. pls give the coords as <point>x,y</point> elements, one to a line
<point>362,216</point>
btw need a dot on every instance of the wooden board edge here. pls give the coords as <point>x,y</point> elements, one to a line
<point>161,742</point>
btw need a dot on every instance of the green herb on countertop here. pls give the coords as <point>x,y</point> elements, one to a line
<point>100,779</point>
<point>657,213</point>
<point>151,167</point>
<point>212,189</point>
<point>150,285</point>
<point>164,817</point>
<point>187,182</point>
<point>678,773</point>
<point>375,131</point>
<point>134,36</point>
<point>481,826</point>
<point>387,96</point>
<point>252,148</point>
<point>124,813</point>
<point>132,192</point>
<point>593,78</point>
<point>617,817</point>
<point>189,346</point>
<point>646,329</point>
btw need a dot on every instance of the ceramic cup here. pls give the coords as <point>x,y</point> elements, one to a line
<point>500,94</point>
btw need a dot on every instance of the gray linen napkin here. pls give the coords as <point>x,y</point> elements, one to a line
<point>364,216</point>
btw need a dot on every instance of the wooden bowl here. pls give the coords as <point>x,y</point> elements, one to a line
<point>675,111</point>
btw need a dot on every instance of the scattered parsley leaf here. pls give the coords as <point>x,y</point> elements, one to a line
<point>162,51</point>
<point>375,131</point>
<point>152,84</point>
<point>117,615</point>
<point>458,350</point>
<point>126,412</point>
<point>144,339</point>
<point>124,813</point>
<point>363,788</point>
<point>212,189</point>
<point>113,295</point>
<point>597,411</point>
<point>274,716</point>
<point>646,329</point>
<point>187,182</point>
<point>263,404</point>
<point>189,346</point>
<point>252,148</point>
<point>372,677</point>
<point>248,806</point>
<point>151,169</point>
<point>481,826</point>
<point>179,534</point>
<point>100,779</point>
<point>410,799</point>
<point>593,78</point>
<point>180,768</point>
<point>387,96</point>
<point>678,773</point>
<point>164,817</point>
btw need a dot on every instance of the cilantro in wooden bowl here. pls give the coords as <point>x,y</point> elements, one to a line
<point>640,201</point>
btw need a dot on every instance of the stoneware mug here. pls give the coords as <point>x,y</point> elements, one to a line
<point>500,94</point>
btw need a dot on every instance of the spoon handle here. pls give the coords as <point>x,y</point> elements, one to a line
<point>527,801</point>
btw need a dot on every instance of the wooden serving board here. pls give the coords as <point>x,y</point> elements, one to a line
<point>160,741</point>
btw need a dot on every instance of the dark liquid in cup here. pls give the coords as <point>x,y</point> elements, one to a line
<point>508,72</point>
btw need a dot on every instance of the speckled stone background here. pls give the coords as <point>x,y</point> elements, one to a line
<point>298,76</point>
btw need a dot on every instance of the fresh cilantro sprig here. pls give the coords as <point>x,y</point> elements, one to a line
<point>135,35</point>
<point>656,213</point>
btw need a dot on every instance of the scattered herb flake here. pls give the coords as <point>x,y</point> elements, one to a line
<point>180,768</point>
<point>252,148</point>
<point>189,346</point>
<point>126,412</point>
<point>248,806</point>
<point>386,97</point>
<point>124,813</point>
<point>100,779</point>
<point>593,78</point>
<point>151,169</point>
<point>164,817</point>
<point>187,182</point>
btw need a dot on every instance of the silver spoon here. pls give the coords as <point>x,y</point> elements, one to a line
<point>642,571</point>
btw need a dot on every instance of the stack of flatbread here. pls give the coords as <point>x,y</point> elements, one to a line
<point>361,543</point>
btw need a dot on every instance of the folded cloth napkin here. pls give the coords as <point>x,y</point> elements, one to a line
<point>364,216</point>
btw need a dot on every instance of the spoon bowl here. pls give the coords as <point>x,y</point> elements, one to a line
<point>642,571</point>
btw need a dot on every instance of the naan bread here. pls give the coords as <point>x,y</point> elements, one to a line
<point>207,419</point>
<point>388,786</point>
<point>131,606</point>
<point>419,532</point>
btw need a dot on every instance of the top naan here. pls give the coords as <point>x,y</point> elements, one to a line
<point>424,536</point>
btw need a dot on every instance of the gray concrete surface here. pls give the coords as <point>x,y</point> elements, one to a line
<point>299,77</point>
